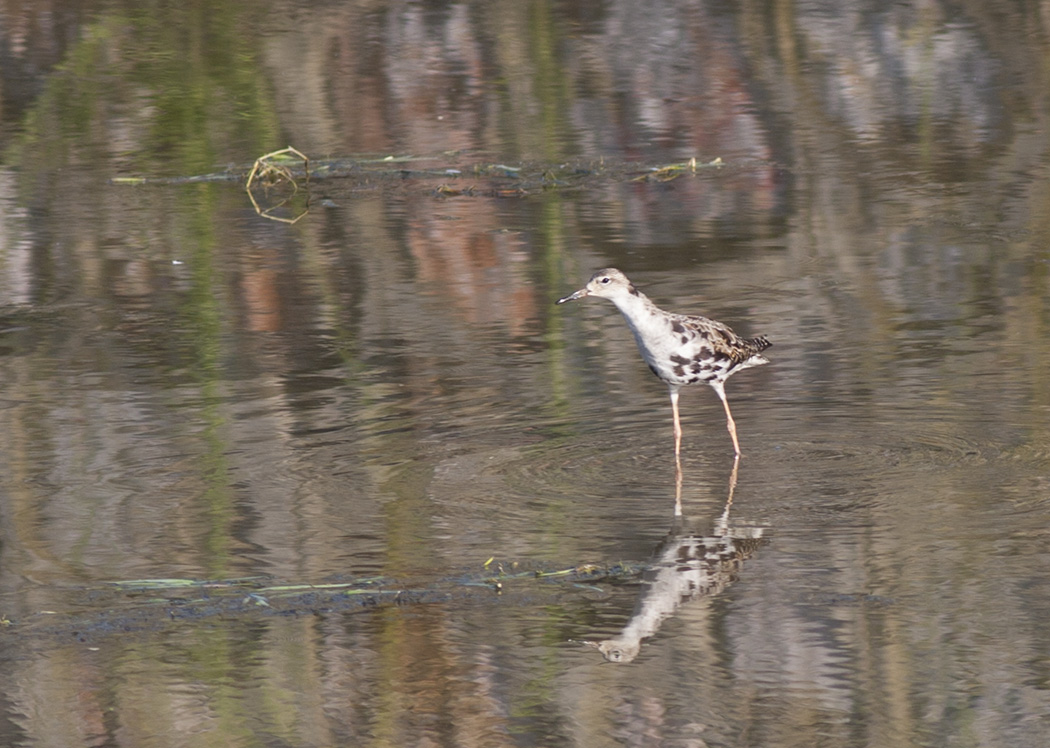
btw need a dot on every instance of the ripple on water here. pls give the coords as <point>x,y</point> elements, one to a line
<point>594,497</point>
<point>890,446</point>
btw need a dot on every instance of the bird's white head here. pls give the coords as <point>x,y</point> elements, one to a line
<point>608,283</point>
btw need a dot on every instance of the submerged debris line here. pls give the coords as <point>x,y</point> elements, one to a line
<point>144,605</point>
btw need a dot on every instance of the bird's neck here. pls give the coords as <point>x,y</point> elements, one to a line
<point>635,306</point>
<point>642,315</point>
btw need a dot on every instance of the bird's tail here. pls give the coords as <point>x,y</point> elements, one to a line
<point>760,343</point>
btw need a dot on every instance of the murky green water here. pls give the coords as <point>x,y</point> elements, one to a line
<point>430,506</point>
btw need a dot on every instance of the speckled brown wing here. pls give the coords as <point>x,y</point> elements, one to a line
<point>724,343</point>
<point>749,348</point>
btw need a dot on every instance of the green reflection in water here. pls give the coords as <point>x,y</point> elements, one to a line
<point>183,81</point>
<point>535,84</point>
<point>204,83</point>
<point>202,317</point>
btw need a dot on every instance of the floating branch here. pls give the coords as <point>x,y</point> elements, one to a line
<point>442,175</point>
<point>271,171</point>
<point>673,171</point>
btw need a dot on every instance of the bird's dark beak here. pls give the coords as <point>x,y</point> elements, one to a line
<point>573,296</point>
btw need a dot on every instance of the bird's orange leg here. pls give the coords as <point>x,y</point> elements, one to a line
<point>730,423</point>
<point>677,430</point>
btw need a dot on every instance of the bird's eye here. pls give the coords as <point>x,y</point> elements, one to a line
<point>605,279</point>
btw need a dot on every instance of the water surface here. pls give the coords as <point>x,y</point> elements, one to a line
<point>382,401</point>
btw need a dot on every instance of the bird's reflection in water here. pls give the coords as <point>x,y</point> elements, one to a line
<point>696,559</point>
